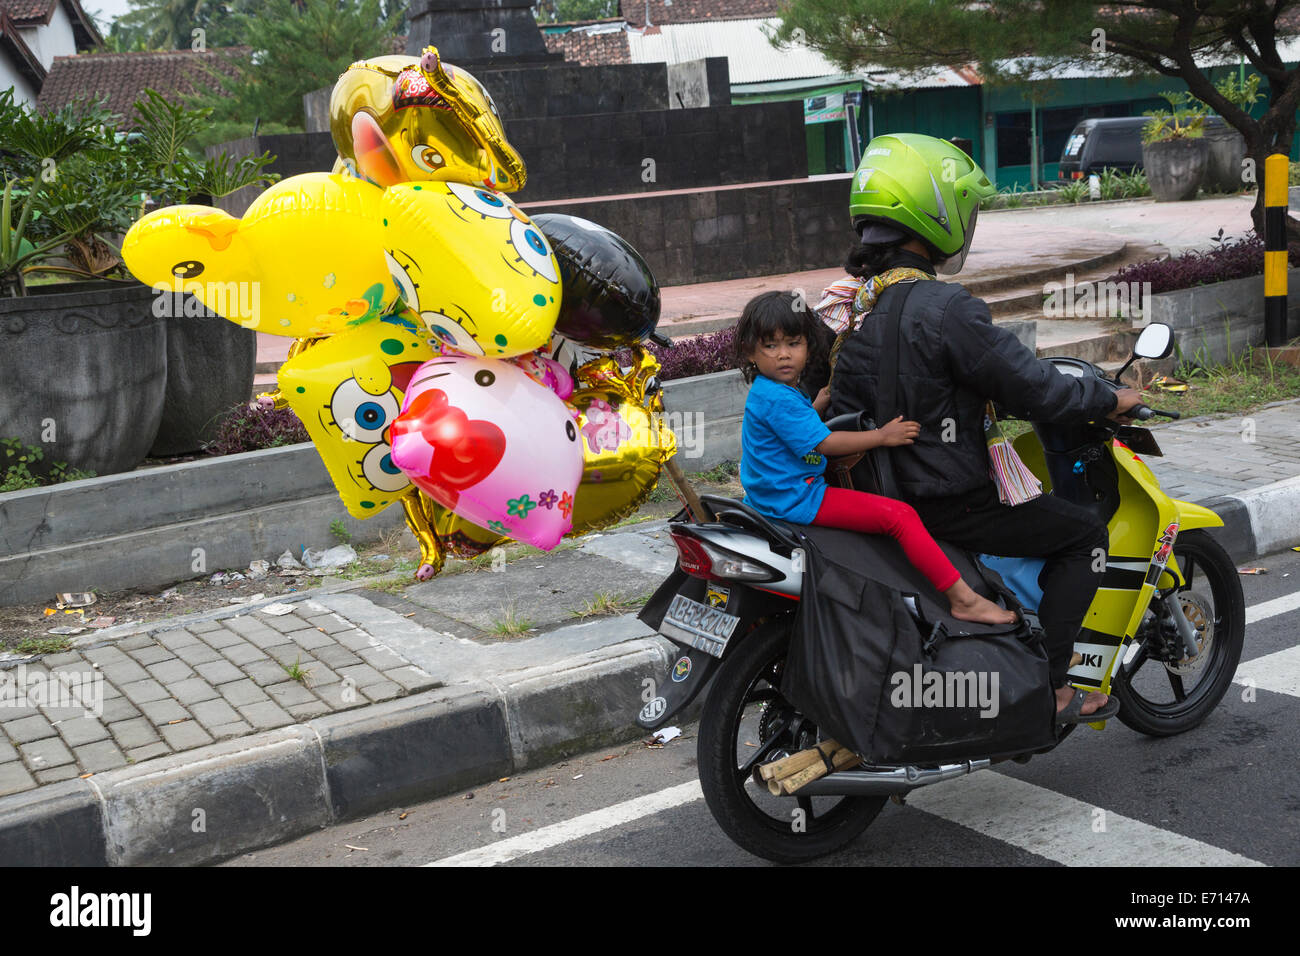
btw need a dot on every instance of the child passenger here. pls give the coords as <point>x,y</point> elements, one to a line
<point>784,446</point>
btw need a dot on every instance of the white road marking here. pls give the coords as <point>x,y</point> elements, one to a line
<point>576,829</point>
<point>1278,672</point>
<point>1060,828</point>
<point>1282,605</point>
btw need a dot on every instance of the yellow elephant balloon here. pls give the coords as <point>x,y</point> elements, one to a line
<point>399,119</point>
<point>625,443</point>
<point>347,389</point>
<point>480,275</point>
<point>305,260</point>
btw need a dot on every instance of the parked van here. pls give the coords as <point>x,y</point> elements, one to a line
<point>1114,142</point>
<point>1095,144</point>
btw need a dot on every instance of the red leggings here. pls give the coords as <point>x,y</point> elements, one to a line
<point>874,514</point>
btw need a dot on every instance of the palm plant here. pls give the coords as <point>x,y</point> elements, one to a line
<point>72,183</point>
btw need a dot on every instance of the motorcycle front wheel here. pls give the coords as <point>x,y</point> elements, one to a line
<point>746,723</point>
<point>1162,692</point>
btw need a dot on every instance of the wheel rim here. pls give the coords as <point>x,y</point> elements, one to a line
<point>762,728</point>
<point>1169,689</point>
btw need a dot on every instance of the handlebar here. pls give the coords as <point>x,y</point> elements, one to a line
<point>1143,412</point>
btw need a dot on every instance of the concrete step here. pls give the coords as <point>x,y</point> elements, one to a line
<point>1030,294</point>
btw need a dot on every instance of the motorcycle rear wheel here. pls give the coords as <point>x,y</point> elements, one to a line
<point>1209,573</point>
<point>767,826</point>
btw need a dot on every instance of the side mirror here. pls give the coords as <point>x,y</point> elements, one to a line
<point>1155,342</point>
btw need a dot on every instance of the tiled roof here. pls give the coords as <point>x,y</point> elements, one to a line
<point>124,77</point>
<point>590,49</point>
<point>24,10</point>
<point>691,11</point>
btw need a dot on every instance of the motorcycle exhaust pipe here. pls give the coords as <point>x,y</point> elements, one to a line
<point>886,783</point>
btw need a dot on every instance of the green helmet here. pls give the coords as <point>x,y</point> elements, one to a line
<point>914,186</point>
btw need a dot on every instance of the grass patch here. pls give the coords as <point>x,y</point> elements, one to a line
<point>42,645</point>
<point>1234,387</point>
<point>603,603</point>
<point>296,672</point>
<point>510,623</point>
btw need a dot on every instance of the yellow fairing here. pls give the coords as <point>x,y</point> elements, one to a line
<point>475,269</point>
<point>347,390</point>
<point>305,260</point>
<point>1146,519</point>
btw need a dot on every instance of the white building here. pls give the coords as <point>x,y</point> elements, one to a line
<point>32,34</point>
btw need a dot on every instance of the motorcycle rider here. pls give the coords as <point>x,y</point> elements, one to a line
<point>914,203</point>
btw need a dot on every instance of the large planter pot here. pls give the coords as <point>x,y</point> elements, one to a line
<point>210,368</point>
<point>82,374</point>
<point>1226,149</point>
<point>1175,168</point>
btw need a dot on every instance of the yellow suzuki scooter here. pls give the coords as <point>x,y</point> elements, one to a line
<point>1164,632</point>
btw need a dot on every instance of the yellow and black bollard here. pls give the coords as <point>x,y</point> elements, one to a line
<point>1276,169</point>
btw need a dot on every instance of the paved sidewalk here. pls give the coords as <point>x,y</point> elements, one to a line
<point>410,695</point>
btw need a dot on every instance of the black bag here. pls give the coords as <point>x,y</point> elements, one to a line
<point>879,664</point>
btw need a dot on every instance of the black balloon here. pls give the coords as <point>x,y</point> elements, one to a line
<point>610,299</point>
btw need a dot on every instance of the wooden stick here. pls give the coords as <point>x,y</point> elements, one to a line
<point>797,761</point>
<point>685,489</point>
<point>841,759</point>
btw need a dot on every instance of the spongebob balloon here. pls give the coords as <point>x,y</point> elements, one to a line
<point>347,390</point>
<point>477,271</point>
<point>399,119</point>
<point>305,260</point>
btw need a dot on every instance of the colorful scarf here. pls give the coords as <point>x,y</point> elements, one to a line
<point>845,300</point>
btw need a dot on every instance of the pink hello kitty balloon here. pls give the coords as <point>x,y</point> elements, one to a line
<point>486,441</point>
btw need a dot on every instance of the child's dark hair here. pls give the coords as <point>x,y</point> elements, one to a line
<point>771,312</point>
<point>865,261</point>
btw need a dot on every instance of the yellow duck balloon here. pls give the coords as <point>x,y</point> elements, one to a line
<point>305,260</point>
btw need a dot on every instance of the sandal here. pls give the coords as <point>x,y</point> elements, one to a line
<point>1072,712</point>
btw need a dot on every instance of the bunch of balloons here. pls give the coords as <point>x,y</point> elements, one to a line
<point>451,353</point>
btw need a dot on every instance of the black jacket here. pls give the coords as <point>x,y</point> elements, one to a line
<point>952,359</point>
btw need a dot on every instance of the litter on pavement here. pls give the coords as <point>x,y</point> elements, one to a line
<point>336,557</point>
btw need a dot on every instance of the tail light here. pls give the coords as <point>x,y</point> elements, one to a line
<point>1076,175</point>
<point>700,559</point>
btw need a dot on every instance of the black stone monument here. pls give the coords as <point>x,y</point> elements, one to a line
<point>476,33</point>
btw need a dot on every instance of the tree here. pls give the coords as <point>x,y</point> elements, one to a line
<point>568,11</point>
<point>1164,36</point>
<point>297,46</point>
<point>170,24</point>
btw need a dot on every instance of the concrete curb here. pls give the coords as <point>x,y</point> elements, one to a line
<point>207,805</point>
<point>1260,521</point>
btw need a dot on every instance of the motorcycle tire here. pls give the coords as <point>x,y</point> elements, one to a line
<point>728,789</point>
<point>1195,551</point>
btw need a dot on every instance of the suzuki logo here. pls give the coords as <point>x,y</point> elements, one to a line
<point>1090,660</point>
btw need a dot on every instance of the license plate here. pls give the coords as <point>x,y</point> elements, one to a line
<point>702,627</point>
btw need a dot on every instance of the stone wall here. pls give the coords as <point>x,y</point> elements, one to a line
<point>727,232</point>
<point>606,154</point>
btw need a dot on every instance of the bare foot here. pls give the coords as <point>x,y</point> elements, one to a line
<point>425,572</point>
<point>966,605</point>
<point>1094,702</point>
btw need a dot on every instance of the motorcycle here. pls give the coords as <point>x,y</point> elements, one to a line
<point>1164,632</point>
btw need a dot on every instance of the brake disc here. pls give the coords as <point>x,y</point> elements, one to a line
<point>1197,610</point>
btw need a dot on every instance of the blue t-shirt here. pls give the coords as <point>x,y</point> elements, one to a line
<point>781,472</point>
